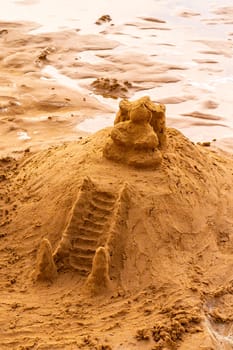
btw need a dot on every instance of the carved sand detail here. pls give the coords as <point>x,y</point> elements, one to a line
<point>45,266</point>
<point>138,135</point>
<point>98,282</point>
<point>157,121</point>
<point>87,228</point>
<point>118,232</point>
<point>93,230</point>
<point>108,260</point>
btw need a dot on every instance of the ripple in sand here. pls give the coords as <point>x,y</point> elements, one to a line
<point>201,115</point>
<point>188,14</point>
<point>210,104</point>
<point>205,61</point>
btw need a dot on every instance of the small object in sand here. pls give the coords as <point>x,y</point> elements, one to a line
<point>98,281</point>
<point>138,134</point>
<point>43,56</point>
<point>112,88</point>
<point>103,19</point>
<point>204,144</point>
<point>44,53</point>
<point>45,267</point>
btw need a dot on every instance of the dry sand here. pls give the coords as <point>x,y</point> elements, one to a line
<point>169,235</point>
<point>166,260</point>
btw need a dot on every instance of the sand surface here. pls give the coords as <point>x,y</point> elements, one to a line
<point>168,270</point>
<point>169,237</point>
<point>54,73</point>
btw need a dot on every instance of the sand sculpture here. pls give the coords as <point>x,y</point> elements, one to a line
<point>139,134</point>
<point>87,228</point>
<point>97,216</point>
<point>93,232</point>
<point>45,267</point>
<point>98,281</point>
<point>154,248</point>
<point>158,118</point>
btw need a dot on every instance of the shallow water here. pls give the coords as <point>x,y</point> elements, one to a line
<point>195,41</point>
<point>222,342</point>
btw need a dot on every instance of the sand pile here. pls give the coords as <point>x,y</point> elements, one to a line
<point>129,257</point>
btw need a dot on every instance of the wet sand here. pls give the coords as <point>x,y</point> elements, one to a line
<point>51,82</point>
<point>170,284</point>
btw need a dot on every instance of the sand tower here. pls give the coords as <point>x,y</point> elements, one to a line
<point>139,134</point>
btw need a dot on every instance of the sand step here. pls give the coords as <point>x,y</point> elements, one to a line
<point>101,208</point>
<point>81,262</point>
<point>84,271</point>
<point>105,195</point>
<point>103,200</point>
<point>86,232</point>
<point>84,242</point>
<point>96,216</point>
<point>83,252</point>
<point>92,225</point>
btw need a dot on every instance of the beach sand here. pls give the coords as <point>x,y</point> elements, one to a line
<point>163,261</point>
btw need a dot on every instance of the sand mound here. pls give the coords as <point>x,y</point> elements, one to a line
<point>160,238</point>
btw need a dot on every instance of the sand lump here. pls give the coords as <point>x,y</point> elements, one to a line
<point>138,135</point>
<point>111,87</point>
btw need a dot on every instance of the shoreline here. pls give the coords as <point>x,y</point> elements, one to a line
<point>51,75</point>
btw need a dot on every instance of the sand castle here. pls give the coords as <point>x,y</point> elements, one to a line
<point>139,134</point>
<point>148,248</point>
<point>96,220</point>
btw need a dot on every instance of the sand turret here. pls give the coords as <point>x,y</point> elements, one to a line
<point>98,281</point>
<point>138,135</point>
<point>45,267</point>
<point>157,121</point>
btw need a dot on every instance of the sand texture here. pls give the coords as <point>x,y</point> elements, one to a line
<point>120,239</point>
<point>52,82</point>
<point>136,140</point>
<point>97,254</point>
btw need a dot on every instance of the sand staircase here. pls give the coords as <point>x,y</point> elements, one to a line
<point>87,229</point>
<point>93,241</point>
<point>92,232</point>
